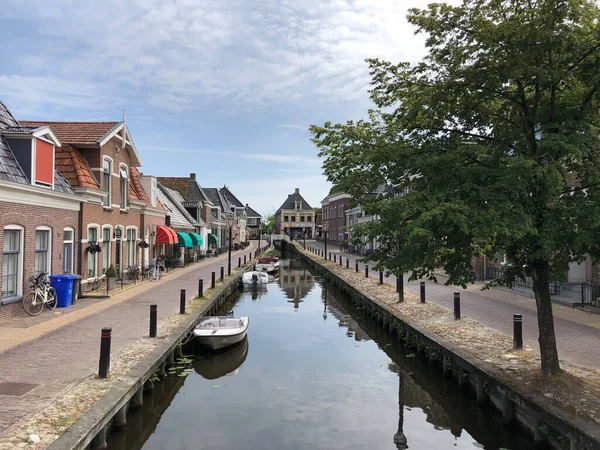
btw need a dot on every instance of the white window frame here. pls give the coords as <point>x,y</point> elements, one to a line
<point>48,250</point>
<point>102,241</point>
<point>133,250</point>
<point>108,200</point>
<point>124,196</point>
<point>19,282</point>
<point>153,192</point>
<point>95,255</point>
<point>72,242</point>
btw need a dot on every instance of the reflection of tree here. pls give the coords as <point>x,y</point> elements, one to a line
<point>295,281</point>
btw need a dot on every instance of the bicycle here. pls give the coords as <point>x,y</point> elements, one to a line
<point>92,281</point>
<point>153,271</point>
<point>41,294</point>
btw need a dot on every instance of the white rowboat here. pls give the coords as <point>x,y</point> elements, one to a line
<point>267,264</point>
<point>218,332</point>
<point>255,279</point>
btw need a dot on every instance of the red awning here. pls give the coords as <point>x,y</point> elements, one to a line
<point>166,235</point>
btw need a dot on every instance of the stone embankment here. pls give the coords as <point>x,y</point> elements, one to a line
<point>564,410</point>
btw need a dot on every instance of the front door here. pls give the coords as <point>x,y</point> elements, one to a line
<point>118,256</point>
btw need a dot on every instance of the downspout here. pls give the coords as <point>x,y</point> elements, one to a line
<point>80,239</point>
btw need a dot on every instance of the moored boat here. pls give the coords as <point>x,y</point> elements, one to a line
<point>267,264</point>
<point>255,278</point>
<point>218,332</point>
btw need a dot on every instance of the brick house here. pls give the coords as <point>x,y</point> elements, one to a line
<point>97,159</point>
<point>295,217</point>
<point>334,208</point>
<point>38,210</point>
<point>240,227</point>
<point>253,221</point>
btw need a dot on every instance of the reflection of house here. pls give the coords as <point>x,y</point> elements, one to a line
<point>343,317</point>
<point>295,217</point>
<point>295,281</point>
<point>38,210</point>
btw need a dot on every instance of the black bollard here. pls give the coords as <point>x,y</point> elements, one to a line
<point>334,258</point>
<point>244,259</point>
<point>347,263</point>
<point>222,273</point>
<point>340,260</point>
<point>422,292</point>
<point>182,301</point>
<point>356,267</point>
<point>457,305</point>
<point>366,271</point>
<point>517,331</point>
<point>381,277</point>
<point>329,256</point>
<point>104,366</point>
<point>239,262</point>
<point>153,317</point>
<point>250,257</point>
<point>200,288</point>
<point>212,280</point>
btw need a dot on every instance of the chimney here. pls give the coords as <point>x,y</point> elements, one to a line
<point>193,176</point>
<point>297,191</point>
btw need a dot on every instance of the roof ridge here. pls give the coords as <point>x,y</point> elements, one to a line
<point>70,121</point>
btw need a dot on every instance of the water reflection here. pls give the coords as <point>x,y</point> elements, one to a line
<point>306,385</point>
<point>295,281</point>
<point>212,365</point>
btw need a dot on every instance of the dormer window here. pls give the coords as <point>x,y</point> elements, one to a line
<point>298,205</point>
<point>124,184</point>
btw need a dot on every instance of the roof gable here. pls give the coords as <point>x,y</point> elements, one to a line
<point>289,203</point>
<point>252,213</point>
<point>232,199</point>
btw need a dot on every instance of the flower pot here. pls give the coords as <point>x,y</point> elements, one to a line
<point>111,281</point>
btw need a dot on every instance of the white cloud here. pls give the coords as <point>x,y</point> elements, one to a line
<point>184,54</point>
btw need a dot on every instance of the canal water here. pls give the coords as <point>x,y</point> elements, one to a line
<point>313,373</point>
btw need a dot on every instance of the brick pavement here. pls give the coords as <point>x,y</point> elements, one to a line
<point>577,332</point>
<point>67,354</point>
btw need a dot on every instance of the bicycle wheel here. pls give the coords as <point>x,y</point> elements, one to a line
<point>154,274</point>
<point>32,304</point>
<point>51,302</point>
<point>88,285</point>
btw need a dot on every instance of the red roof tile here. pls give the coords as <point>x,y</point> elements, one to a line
<point>71,165</point>
<point>75,133</point>
<point>179,184</point>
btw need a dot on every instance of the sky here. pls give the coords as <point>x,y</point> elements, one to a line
<point>224,89</point>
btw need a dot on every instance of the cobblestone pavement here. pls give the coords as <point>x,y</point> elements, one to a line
<point>57,357</point>
<point>577,332</point>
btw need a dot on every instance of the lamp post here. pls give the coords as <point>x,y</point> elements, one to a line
<point>304,239</point>
<point>325,227</point>
<point>259,233</point>
<point>230,223</point>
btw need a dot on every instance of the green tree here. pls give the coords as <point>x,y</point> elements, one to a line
<point>269,223</point>
<point>488,146</point>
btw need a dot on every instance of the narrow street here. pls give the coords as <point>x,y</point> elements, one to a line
<point>54,361</point>
<point>577,332</point>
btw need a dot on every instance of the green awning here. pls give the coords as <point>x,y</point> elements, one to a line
<point>184,240</point>
<point>196,238</point>
<point>212,239</point>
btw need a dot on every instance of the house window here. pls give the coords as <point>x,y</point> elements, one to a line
<point>216,212</point>
<point>309,219</point>
<point>285,218</point>
<point>42,251</point>
<point>301,218</point>
<point>92,236</point>
<point>298,205</point>
<point>68,236</point>
<point>293,218</point>
<point>106,181</point>
<point>153,192</point>
<point>12,261</point>
<point>124,186</point>
<point>131,238</point>
<point>106,232</point>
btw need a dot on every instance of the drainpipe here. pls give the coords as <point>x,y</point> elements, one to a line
<point>80,239</point>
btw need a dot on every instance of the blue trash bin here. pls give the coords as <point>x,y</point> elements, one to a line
<point>63,284</point>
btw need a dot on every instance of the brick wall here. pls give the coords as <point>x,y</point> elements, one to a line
<point>30,217</point>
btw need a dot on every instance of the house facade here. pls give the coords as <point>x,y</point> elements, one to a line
<point>39,211</point>
<point>254,223</point>
<point>295,217</point>
<point>334,208</point>
<point>97,159</point>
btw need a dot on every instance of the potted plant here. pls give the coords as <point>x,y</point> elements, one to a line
<point>143,244</point>
<point>111,277</point>
<point>94,248</point>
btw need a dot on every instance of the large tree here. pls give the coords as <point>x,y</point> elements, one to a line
<point>488,146</point>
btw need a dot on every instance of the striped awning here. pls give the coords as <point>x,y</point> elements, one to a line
<point>165,235</point>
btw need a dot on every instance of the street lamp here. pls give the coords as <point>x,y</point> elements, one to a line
<point>259,233</point>
<point>325,227</point>
<point>304,239</point>
<point>230,223</point>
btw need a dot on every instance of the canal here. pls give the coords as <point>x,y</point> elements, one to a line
<point>313,373</point>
